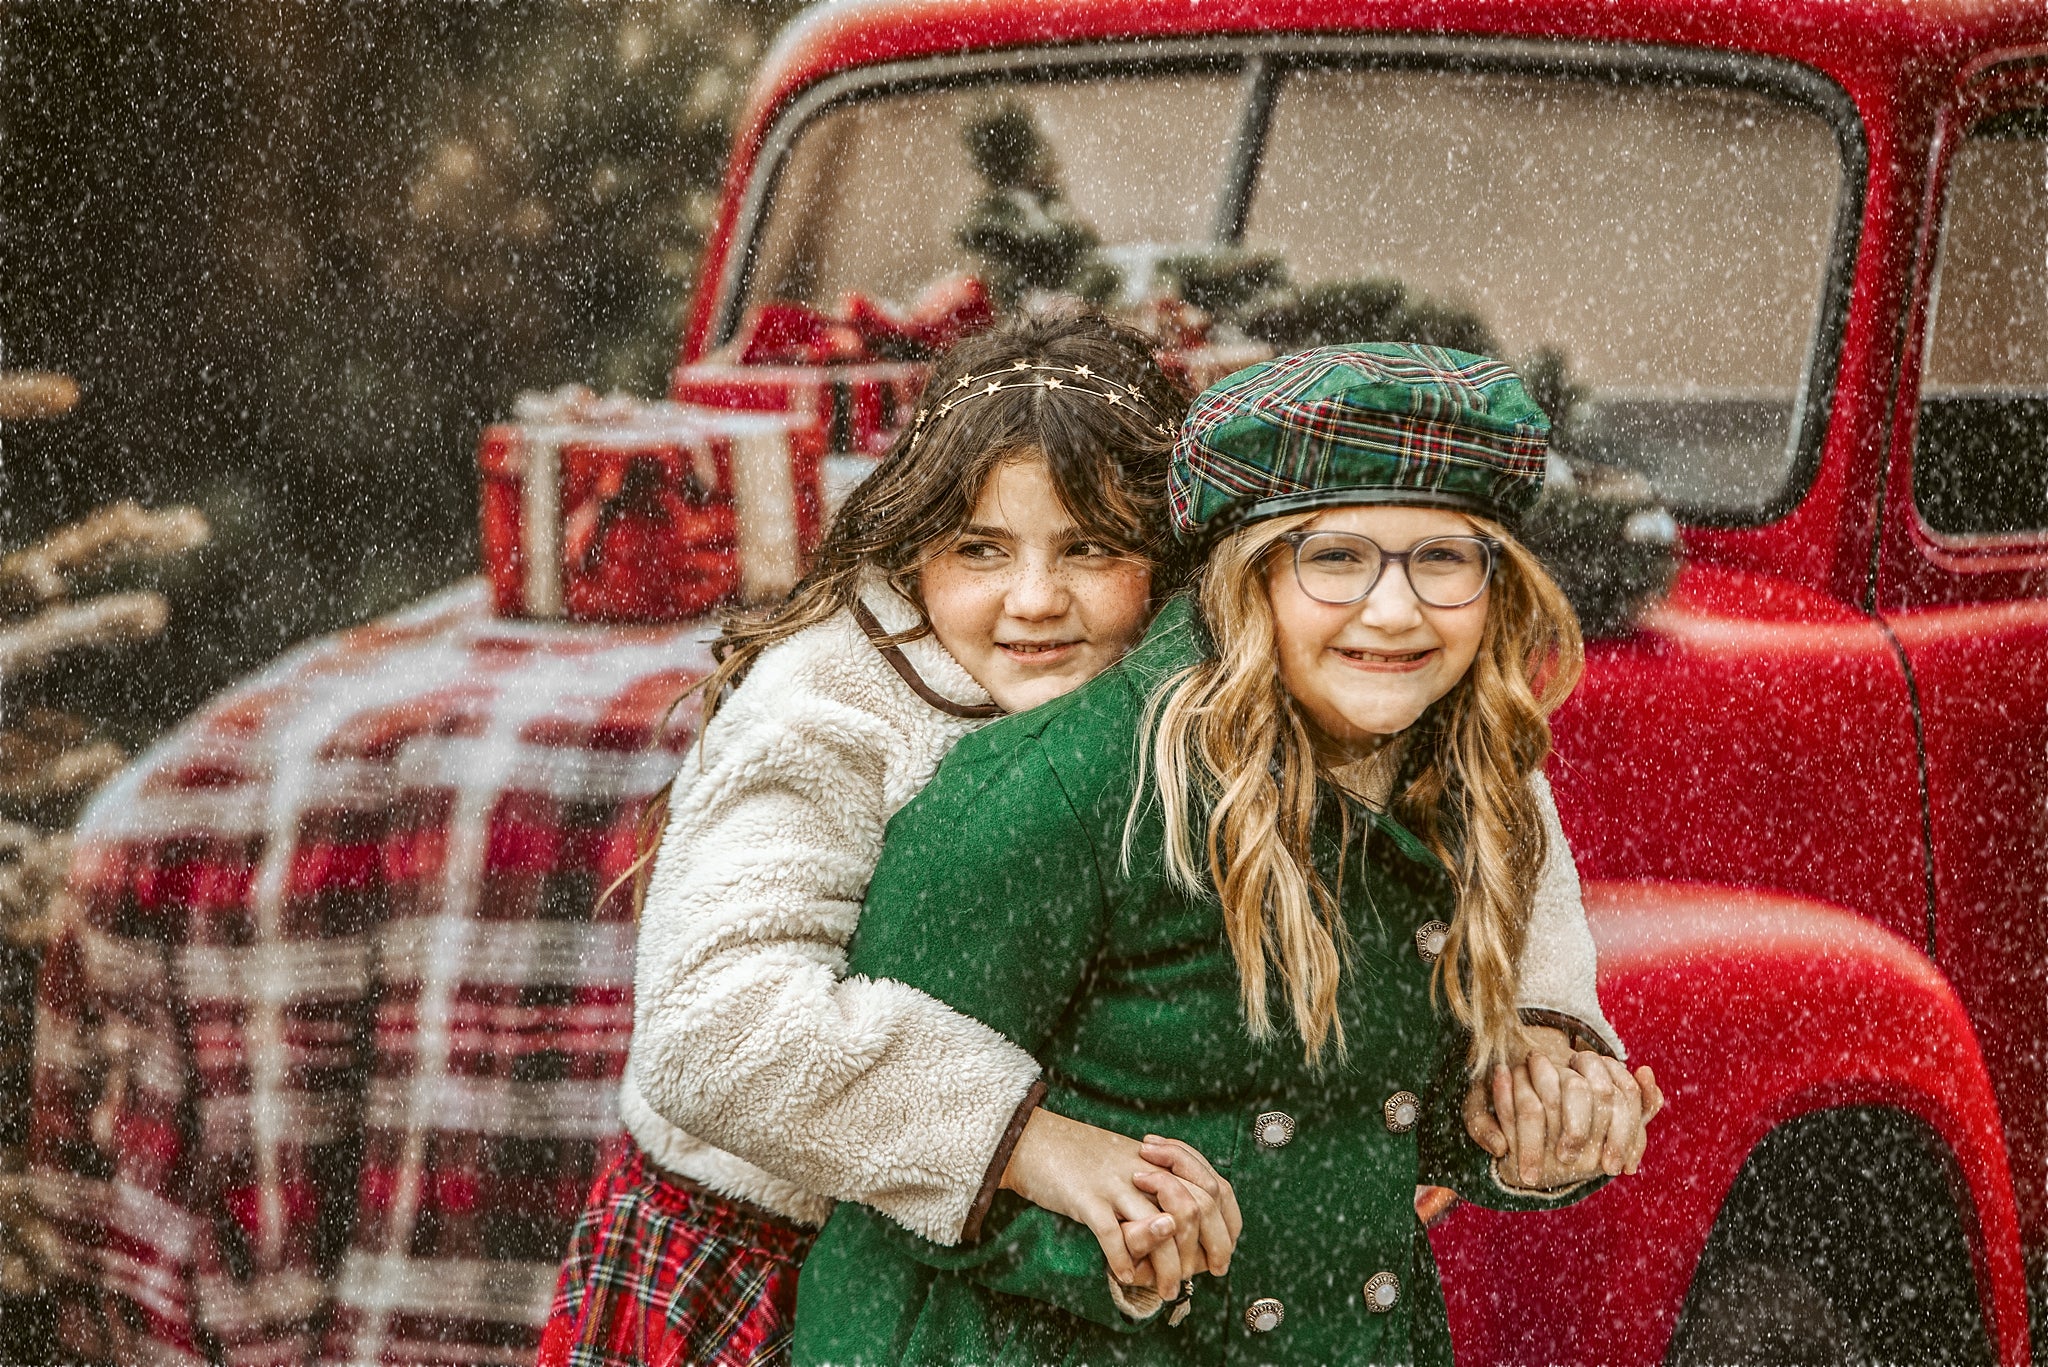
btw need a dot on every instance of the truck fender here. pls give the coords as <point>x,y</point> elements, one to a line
<point>1754,1008</point>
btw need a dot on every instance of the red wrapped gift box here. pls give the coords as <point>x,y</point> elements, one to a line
<point>624,510</point>
<point>620,510</point>
<point>848,413</point>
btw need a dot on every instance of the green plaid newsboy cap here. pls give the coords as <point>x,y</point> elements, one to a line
<point>1365,422</point>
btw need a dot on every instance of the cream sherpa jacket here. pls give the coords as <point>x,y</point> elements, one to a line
<point>756,1067</point>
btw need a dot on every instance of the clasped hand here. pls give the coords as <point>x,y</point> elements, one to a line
<point>1562,1116</point>
<point>1159,1211</point>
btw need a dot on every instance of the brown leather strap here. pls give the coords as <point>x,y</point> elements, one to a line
<point>1583,1037</point>
<point>992,1180</point>
<point>905,671</point>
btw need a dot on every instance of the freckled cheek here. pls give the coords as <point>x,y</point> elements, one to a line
<point>1460,649</point>
<point>1113,605</point>
<point>963,614</point>
<point>1309,674</point>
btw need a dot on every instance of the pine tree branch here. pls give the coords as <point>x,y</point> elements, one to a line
<point>119,534</point>
<point>36,394</point>
<point>113,620</point>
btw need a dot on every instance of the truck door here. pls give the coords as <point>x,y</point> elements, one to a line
<point>1963,584</point>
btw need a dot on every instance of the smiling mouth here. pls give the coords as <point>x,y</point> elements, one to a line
<point>1396,659</point>
<point>1035,650</point>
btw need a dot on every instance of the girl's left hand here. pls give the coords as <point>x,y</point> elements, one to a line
<point>1158,1209</point>
<point>1561,1116</point>
<point>1207,1236</point>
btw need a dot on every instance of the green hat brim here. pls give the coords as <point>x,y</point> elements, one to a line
<point>1280,505</point>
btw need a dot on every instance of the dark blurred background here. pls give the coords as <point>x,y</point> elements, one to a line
<point>294,256</point>
<point>297,254</point>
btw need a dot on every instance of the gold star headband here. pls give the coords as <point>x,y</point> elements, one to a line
<point>1037,375</point>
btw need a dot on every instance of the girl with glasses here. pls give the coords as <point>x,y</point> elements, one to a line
<point>1285,885</point>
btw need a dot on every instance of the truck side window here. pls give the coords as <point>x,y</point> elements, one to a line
<point>1980,462</point>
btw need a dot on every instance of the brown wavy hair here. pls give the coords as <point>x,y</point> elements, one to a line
<point>1107,462</point>
<point>1228,738</point>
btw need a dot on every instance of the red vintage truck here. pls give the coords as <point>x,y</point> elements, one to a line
<point>1785,262</point>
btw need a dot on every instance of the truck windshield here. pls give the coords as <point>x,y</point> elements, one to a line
<point>1654,256</point>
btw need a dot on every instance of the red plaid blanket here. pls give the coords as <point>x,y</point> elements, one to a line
<point>327,1048</point>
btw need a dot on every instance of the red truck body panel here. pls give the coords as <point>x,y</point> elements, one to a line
<point>1701,971</point>
<point>1771,772</point>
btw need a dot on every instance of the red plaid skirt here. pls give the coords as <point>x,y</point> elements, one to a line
<point>663,1272</point>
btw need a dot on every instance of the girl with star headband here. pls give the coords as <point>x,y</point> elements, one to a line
<point>1012,545</point>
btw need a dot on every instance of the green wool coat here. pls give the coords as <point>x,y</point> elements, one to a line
<point>1001,891</point>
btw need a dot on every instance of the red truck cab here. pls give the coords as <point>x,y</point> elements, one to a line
<point>1778,265</point>
<point>1790,254</point>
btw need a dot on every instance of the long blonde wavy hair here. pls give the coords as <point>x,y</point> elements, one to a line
<point>1229,740</point>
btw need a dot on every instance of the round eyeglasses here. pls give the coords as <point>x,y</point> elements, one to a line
<point>1343,567</point>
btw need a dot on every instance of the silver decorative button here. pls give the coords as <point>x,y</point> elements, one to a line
<point>1382,1292</point>
<point>1263,1315</point>
<point>1429,940</point>
<point>1273,1129</point>
<point>1402,1110</point>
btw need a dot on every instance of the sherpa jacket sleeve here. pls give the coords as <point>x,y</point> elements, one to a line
<point>1558,980</point>
<point>748,1034</point>
<point>1559,967</point>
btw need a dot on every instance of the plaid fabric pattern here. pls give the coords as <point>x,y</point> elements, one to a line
<point>660,1273</point>
<point>327,1047</point>
<point>1402,423</point>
